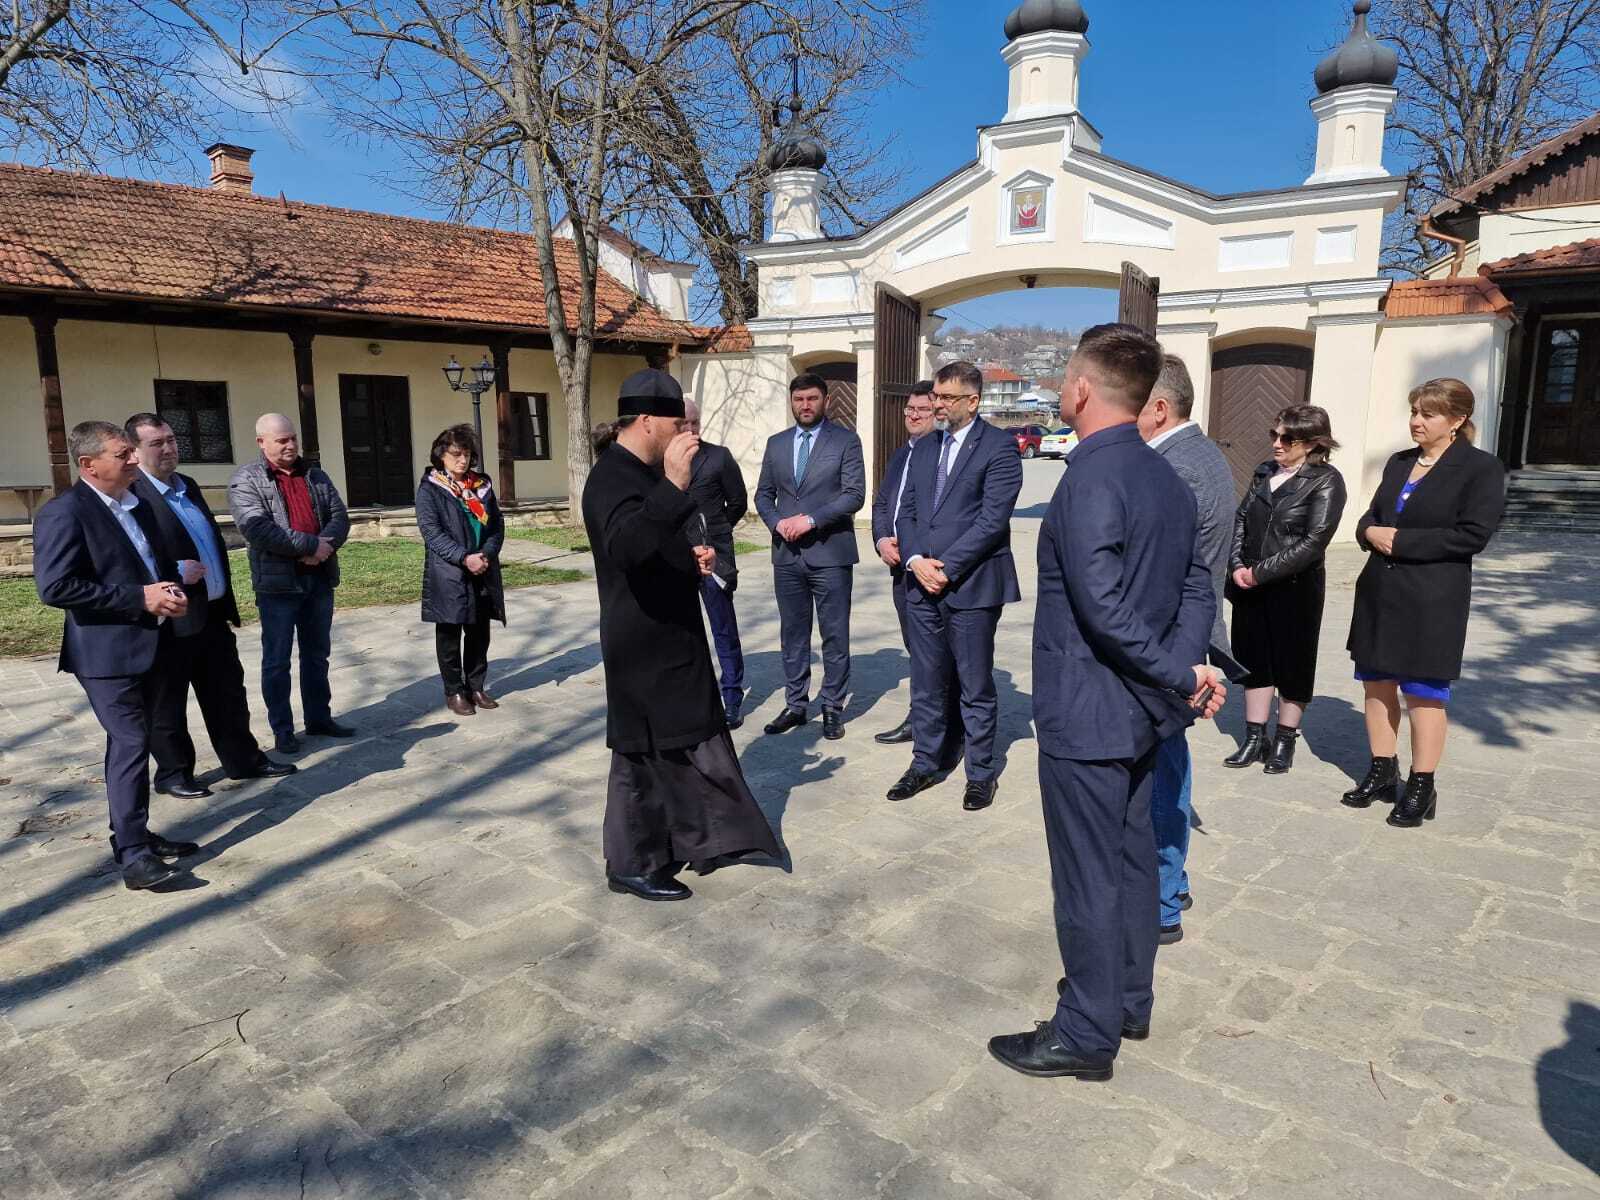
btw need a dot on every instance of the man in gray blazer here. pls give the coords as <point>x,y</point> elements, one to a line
<point>1167,428</point>
<point>813,482</point>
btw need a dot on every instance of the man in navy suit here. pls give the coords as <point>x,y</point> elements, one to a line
<point>813,482</point>
<point>1120,636</point>
<point>95,554</point>
<point>955,538</point>
<point>886,518</point>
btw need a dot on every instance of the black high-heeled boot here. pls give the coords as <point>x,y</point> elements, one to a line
<point>1253,750</point>
<point>1281,757</point>
<point>1381,782</point>
<point>1418,804</point>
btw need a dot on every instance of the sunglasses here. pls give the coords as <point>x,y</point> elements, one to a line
<point>1274,436</point>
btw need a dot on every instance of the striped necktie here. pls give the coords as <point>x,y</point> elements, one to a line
<point>803,459</point>
<point>944,467</point>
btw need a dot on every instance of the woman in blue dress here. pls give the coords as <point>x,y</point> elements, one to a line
<point>1438,505</point>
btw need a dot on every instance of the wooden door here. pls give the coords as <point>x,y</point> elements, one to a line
<point>897,334</point>
<point>1136,299</point>
<point>375,413</point>
<point>842,404</point>
<point>1250,385</point>
<point>1564,421</point>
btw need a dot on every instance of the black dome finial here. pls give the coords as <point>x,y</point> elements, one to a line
<point>1041,16</point>
<point>1362,60</point>
<point>797,149</point>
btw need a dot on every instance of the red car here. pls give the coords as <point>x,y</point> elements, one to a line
<point>1028,438</point>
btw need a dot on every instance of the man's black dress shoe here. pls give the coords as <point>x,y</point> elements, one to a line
<point>146,872</point>
<point>1170,934</point>
<point>789,718</point>
<point>184,789</point>
<point>658,886</point>
<point>286,743</point>
<point>896,736</point>
<point>979,794</point>
<point>267,769</point>
<point>1039,1052</point>
<point>731,711</point>
<point>161,848</point>
<point>909,784</point>
<point>1132,1031</point>
<point>331,728</point>
<point>832,724</point>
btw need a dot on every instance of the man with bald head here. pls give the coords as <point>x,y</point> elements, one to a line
<point>294,521</point>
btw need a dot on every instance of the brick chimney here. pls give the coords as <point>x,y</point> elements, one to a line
<point>230,167</point>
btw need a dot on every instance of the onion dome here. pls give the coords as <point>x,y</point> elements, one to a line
<point>1363,59</point>
<point>1042,16</point>
<point>797,150</point>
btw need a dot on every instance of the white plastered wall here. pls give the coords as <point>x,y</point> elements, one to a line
<point>23,457</point>
<point>1471,349</point>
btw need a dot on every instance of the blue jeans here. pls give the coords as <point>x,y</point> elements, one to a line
<point>725,635</point>
<point>1169,813</point>
<point>306,614</point>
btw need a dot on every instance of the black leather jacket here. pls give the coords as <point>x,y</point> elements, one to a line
<point>1280,534</point>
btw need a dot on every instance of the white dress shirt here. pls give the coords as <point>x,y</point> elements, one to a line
<point>950,442</point>
<point>900,493</point>
<point>122,510</point>
<point>1165,434</point>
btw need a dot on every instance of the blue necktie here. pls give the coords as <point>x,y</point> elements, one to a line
<point>944,468</point>
<point>803,459</point>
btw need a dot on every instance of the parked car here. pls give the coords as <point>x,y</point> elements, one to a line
<point>1028,438</point>
<point>1057,444</point>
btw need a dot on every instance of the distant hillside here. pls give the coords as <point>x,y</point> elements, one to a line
<point>1032,351</point>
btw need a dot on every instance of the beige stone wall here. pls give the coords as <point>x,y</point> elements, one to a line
<point>1472,349</point>
<point>23,459</point>
<point>743,398</point>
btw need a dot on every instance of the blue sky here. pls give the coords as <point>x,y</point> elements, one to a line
<point>1214,94</point>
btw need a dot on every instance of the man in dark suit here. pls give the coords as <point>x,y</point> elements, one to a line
<point>886,518</point>
<point>813,482</point>
<point>716,485</point>
<point>1166,427</point>
<point>208,654</point>
<point>96,554</point>
<point>955,537</point>
<point>1121,627</point>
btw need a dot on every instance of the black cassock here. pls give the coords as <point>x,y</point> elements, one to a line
<point>676,793</point>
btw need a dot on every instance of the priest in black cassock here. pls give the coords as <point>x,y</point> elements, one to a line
<point>676,794</point>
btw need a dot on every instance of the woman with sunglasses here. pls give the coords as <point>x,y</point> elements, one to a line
<point>1276,580</point>
<point>1438,505</point>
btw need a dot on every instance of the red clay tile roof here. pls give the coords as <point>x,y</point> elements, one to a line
<point>124,238</point>
<point>724,339</point>
<point>1575,256</point>
<point>1465,295</point>
<point>1542,153</point>
<point>1000,375</point>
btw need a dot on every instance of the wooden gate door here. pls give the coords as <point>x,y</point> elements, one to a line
<point>1136,300</point>
<point>896,338</point>
<point>1564,422</point>
<point>375,411</point>
<point>842,405</point>
<point>1249,386</point>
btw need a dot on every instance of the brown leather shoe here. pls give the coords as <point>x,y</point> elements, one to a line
<point>484,700</point>
<point>460,705</point>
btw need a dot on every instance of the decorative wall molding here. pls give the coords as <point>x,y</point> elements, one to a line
<point>1256,252</point>
<point>950,238</point>
<point>1113,223</point>
<point>1299,293</point>
<point>1335,244</point>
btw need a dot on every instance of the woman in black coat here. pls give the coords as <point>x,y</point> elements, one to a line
<point>1276,580</point>
<point>463,530</point>
<point>1438,505</point>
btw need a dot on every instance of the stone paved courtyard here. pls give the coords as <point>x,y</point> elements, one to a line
<point>404,976</point>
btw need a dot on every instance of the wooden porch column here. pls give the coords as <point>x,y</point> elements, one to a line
<point>306,386</point>
<point>55,421</point>
<point>506,485</point>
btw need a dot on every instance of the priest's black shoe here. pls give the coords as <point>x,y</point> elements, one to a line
<point>979,794</point>
<point>1281,756</point>
<point>286,743</point>
<point>1253,750</point>
<point>832,724</point>
<point>1380,783</point>
<point>147,872</point>
<point>657,886</point>
<point>267,769</point>
<point>899,734</point>
<point>909,784</point>
<point>789,718</point>
<point>184,789</point>
<point>731,711</point>
<point>1132,1031</point>
<point>1418,804</point>
<point>1041,1053</point>
<point>161,848</point>
<point>331,728</point>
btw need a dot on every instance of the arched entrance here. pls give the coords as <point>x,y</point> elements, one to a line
<point>1249,386</point>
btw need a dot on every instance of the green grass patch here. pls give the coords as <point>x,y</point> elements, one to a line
<point>575,538</point>
<point>370,573</point>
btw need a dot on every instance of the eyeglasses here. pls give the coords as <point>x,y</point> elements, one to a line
<point>1276,435</point>
<point>952,396</point>
<point>918,410</point>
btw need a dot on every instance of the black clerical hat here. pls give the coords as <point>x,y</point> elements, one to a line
<point>650,393</point>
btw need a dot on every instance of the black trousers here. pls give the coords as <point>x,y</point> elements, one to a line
<point>463,655</point>
<point>208,662</point>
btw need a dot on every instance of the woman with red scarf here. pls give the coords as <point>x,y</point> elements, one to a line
<point>462,528</point>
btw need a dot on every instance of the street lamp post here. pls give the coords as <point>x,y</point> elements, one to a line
<point>482,380</point>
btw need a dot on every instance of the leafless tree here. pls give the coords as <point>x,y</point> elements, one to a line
<point>91,83</point>
<point>1481,81</point>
